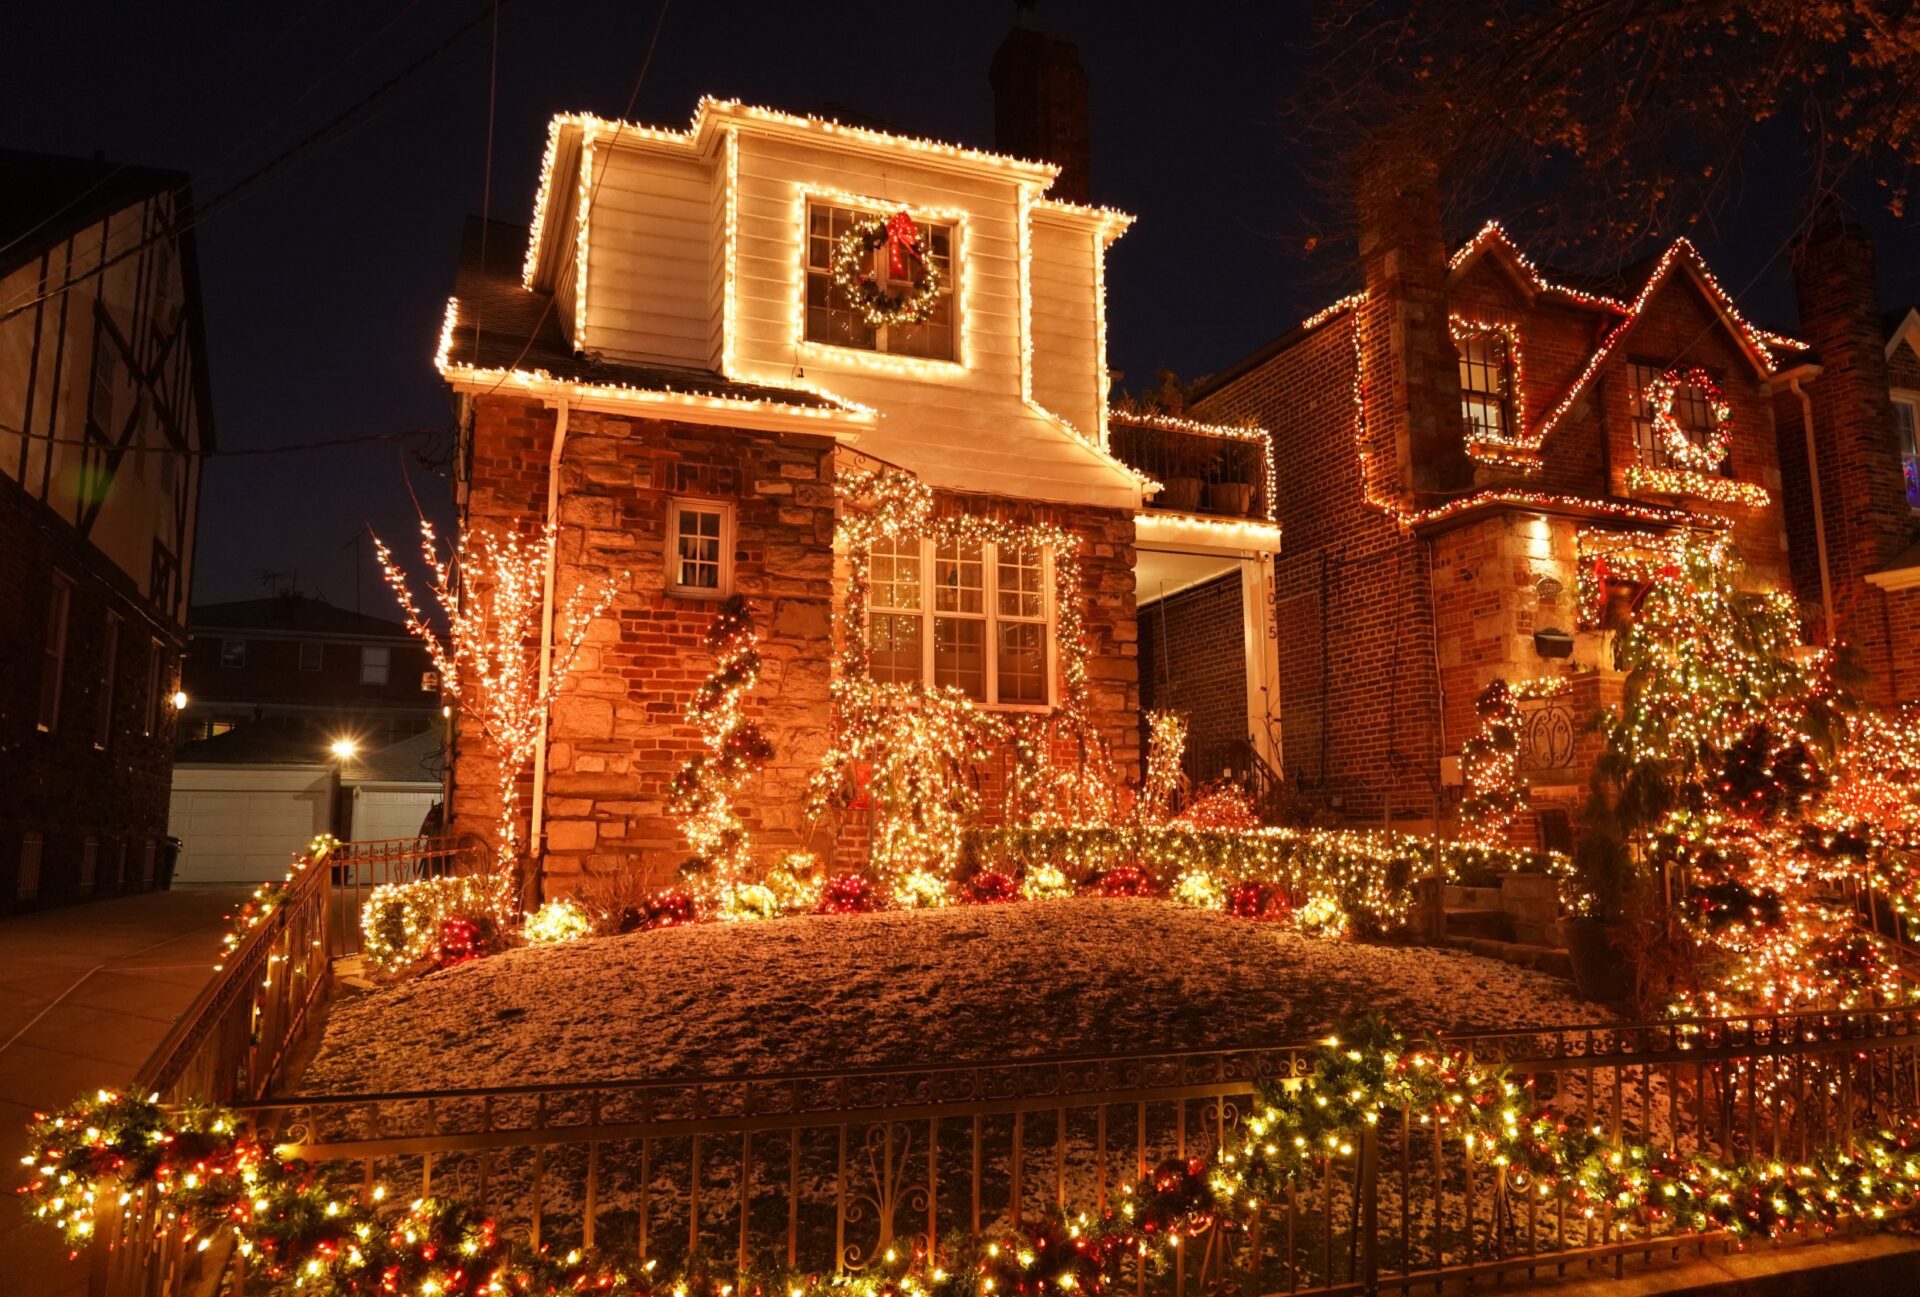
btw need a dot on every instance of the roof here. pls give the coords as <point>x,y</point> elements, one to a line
<point>417,760</point>
<point>44,197</point>
<point>503,326</point>
<point>257,744</point>
<point>291,614</point>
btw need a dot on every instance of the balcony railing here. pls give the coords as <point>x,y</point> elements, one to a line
<point>1202,468</point>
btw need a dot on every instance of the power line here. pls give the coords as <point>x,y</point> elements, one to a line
<point>239,189</point>
<point>361,439</point>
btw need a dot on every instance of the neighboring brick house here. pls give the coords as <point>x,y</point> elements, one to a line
<point>1848,418</point>
<point>305,672</point>
<point>104,422</point>
<point>1460,442</point>
<point>664,367</point>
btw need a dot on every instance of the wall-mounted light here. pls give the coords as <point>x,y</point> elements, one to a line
<point>179,700</point>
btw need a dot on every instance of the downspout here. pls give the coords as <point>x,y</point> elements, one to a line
<point>1819,511</point>
<point>537,821</point>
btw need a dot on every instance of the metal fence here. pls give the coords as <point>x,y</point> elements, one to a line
<point>1200,472</point>
<point>356,868</point>
<point>825,1172</point>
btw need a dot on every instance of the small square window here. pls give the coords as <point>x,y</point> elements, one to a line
<point>374,660</point>
<point>233,654</point>
<point>700,549</point>
<point>312,654</point>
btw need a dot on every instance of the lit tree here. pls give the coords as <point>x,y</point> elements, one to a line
<point>1490,769</point>
<point>491,590</point>
<point>734,749</point>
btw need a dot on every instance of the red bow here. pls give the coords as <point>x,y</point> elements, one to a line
<point>902,238</point>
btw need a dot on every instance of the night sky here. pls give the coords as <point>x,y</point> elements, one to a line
<point>324,287</point>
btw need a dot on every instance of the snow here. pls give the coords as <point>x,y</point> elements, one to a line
<point>965,984</point>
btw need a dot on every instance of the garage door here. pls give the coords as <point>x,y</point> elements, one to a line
<point>245,825</point>
<point>380,814</point>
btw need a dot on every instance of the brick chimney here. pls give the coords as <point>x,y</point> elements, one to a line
<point>1862,497</point>
<point>1413,371</point>
<point>1040,103</point>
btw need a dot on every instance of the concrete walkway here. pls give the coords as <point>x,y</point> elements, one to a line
<point>86,995</point>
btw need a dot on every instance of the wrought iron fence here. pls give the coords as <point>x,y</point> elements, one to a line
<point>1200,472</point>
<point>356,868</point>
<point>825,1172</point>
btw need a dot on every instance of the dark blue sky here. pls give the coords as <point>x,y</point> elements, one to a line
<point>324,288</point>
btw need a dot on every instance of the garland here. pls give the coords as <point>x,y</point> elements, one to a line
<point>733,750</point>
<point>269,897</point>
<point>212,1181</point>
<point>854,276</point>
<point>1668,430</point>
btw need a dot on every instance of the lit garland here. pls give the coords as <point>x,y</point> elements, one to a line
<point>269,897</point>
<point>213,1181</point>
<point>859,284</point>
<point>1520,450</point>
<point>734,749</point>
<point>1710,487</point>
<point>1129,413</point>
<point>492,592</point>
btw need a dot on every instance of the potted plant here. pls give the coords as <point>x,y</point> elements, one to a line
<point>1189,459</point>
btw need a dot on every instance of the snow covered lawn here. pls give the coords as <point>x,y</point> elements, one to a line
<point>971,983</point>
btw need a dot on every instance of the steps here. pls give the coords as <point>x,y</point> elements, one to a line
<point>1477,924</point>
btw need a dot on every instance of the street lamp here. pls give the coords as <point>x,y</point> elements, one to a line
<point>344,748</point>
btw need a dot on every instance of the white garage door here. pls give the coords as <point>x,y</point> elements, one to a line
<point>246,824</point>
<point>380,814</point>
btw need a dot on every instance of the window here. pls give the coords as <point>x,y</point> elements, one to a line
<point>429,682</point>
<point>53,659</point>
<point>312,653</point>
<point>233,654</point>
<point>1690,407</point>
<point>162,573</point>
<point>156,686</point>
<point>1486,385</point>
<point>106,380</point>
<point>103,697</point>
<point>700,549</point>
<point>972,616</point>
<point>832,320</point>
<point>374,659</point>
<point>32,847</point>
<point>1906,418</point>
<point>89,862</point>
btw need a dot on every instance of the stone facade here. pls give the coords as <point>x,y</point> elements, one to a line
<point>617,734</point>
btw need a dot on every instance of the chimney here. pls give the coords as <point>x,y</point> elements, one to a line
<point>1862,496</point>
<point>1040,103</point>
<point>1413,406</point>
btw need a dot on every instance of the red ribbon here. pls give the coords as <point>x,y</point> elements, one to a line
<point>901,239</point>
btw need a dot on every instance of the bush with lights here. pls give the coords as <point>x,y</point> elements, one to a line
<point>212,1181</point>
<point>733,750</point>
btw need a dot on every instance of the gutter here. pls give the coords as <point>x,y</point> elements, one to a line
<point>1813,482</point>
<point>537,819</point>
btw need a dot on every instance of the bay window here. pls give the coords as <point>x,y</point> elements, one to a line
<point>970,615</point>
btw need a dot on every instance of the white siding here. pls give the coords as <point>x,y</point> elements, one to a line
<point>1066,358</point>
<point>649,291</point>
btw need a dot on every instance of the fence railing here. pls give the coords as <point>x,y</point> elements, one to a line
<point>1199,472</point>
<point>825,1172</point>
<point>357,868</point>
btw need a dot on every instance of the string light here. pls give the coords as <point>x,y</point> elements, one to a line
<point>1520,450</point>
<point>1166,750</point>
<point>733,750</point>
<point>1710,487</point>
<point>1249,433</point>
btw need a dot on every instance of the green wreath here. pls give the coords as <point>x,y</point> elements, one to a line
<point>1681,448</point>
<point>853,274</point>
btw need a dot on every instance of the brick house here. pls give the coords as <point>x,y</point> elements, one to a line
<point>663,367</point>
<point>1464,442</point>
<point>104,421</point>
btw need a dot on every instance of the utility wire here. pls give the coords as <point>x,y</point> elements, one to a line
<point>330,443</point>
<point>240,188</point>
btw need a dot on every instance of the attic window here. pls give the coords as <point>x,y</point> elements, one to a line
<point>831,320</point>
<point>1690,407</point>
<point>1486,385</point>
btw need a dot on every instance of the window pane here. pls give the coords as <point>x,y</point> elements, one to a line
<point>373,664</point>
<point>311,654</point>
<point>1023,662</point>
<point>1019,582</point>
<point>958,577</point>
<point>1907,418</point>
<point>697,549</point>
<point>1485,385</point>
<point>233,653</point>
<point>896,648</point>
<point>53,659</point>
<point>896,575</point>
<point>960,655</point>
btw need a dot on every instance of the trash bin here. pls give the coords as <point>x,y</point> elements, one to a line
<point>163,868</point>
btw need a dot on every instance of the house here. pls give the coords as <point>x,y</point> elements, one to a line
<point>105,420</point>
<point>312,673</point>
<point>1847,416</point>
<point>665,368</point>
<point>1475,460</point>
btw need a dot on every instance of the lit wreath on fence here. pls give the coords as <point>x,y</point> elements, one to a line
<point>853,274</point>
<point>1681,448</point>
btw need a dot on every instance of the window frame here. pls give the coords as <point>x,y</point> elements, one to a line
<point>880,353</point>
<point>680,505</point>
<point>231,661</point>
<point>1909,453</point>
<point>109,668</point>
<point>156,685</point>
<point>319,655</point>
<point>386,664</point>
<point>990,617</point>
<point>1505,373</point>
<point>1649,451</point>
<point>53,653</point>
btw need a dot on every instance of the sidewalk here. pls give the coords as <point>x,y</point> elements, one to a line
<point>86,994</point>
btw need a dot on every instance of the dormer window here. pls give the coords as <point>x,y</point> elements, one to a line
<point>1486,383</point>
<point>832,319</point>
